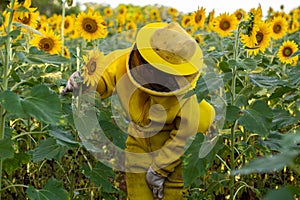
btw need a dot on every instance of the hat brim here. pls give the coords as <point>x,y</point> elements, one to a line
<point>144,35</point>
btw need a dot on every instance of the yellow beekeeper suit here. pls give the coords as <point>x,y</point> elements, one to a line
<point>161,120</point>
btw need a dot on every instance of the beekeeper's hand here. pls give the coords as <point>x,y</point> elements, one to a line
<point>73,83</point>
<point>156,183</point>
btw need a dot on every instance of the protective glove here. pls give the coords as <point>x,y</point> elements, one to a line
<point>156,183</point>
<point>73,83</point>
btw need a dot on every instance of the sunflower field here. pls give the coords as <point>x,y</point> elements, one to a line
<point>255,55</point>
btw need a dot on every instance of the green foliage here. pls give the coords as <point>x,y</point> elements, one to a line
<point>42,155</point>
<point>41,103</point>
<point>53,189</point>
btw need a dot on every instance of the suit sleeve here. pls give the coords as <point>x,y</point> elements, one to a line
<point>115,67</point>
<point>186,124</point>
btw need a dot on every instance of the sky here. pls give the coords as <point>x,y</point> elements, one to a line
<point>220,6</point>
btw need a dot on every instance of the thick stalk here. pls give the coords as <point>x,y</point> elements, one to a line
<point>63,26</point>
<point>233,98</point>
<point>5,74</point>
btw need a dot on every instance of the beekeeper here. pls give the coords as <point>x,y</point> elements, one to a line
<point>161,67</point>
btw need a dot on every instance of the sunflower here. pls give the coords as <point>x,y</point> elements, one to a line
<point>90,25</point>
<point>261,41</point>
<point>66,52</point>
<point>93,69</point>
<point>186,21</point>
<point>173,12</point>
<point>107,12</point>
<point>198,38</point>
<point>20,14</point>
<point>286,51</point>
<point>240,14</point>
<point>224,24</point>
<point>68,24</point>
<point>199,18</point>
<point>155,15</point>
<point>131,25</point>
<point>279,27</point>
<point>122,10</point>
<point>31,19</point>
<point>294,23</point>
<point>48,42</point>
<point>210,20</point>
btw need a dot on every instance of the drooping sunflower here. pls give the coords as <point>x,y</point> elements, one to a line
<point>261,41</point>
<point>293,23</point>
<point>240,14</point>
<point>199,18</point>
<point>25,5</point>
<point>93,68</point>
<point>224,24</point>
<point>48,41</point>
<point>30,19</point>
<point>90,25</point>
<point>279,27</point>
<point>286,51</point>
<point>210,20</point>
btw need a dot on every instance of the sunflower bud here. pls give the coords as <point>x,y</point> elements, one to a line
<point>70,2</point>
<point>247,26</point>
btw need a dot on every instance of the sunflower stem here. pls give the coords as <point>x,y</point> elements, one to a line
<point>233,90</point>
<point>63,26</point>
<point>4,84</point>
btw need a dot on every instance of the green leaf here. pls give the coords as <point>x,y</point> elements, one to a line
<point>12,103</point>
<point>192,165</point>
<point>224,66</point>
<point>281,193</point>
<point>249,63</point>
<point>48,149</point>
<point>282,118</point>
<point>257,119</point>
<point>232,113</point>
<point>43,104</point>
<point>63,137</point>
<point>201,89</point>
<point>14,34</point>
<point>53,189</point>
<point>11,164</point>
<point>268,163</point>
<point>6,149</point>
<point>36,56</point>
<point>100,175</point>
<point>266,81</point>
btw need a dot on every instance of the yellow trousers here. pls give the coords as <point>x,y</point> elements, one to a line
<point>138,160</point>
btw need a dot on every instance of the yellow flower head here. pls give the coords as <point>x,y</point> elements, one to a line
<point>93,68</point>
<point>286,51</point>
<point>108,12</point>
<point>90,26</point>
<point>49,42</point>
<point>30,19</point>
<point>258,41</point>
<point>279,27</point>
<point>68,24</point>
<point>199,18</point>
<point>240,14</point>
<point>186,21</point>
<point>224,24</point>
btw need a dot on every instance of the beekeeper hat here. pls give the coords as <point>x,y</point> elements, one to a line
<point>169,48</point>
